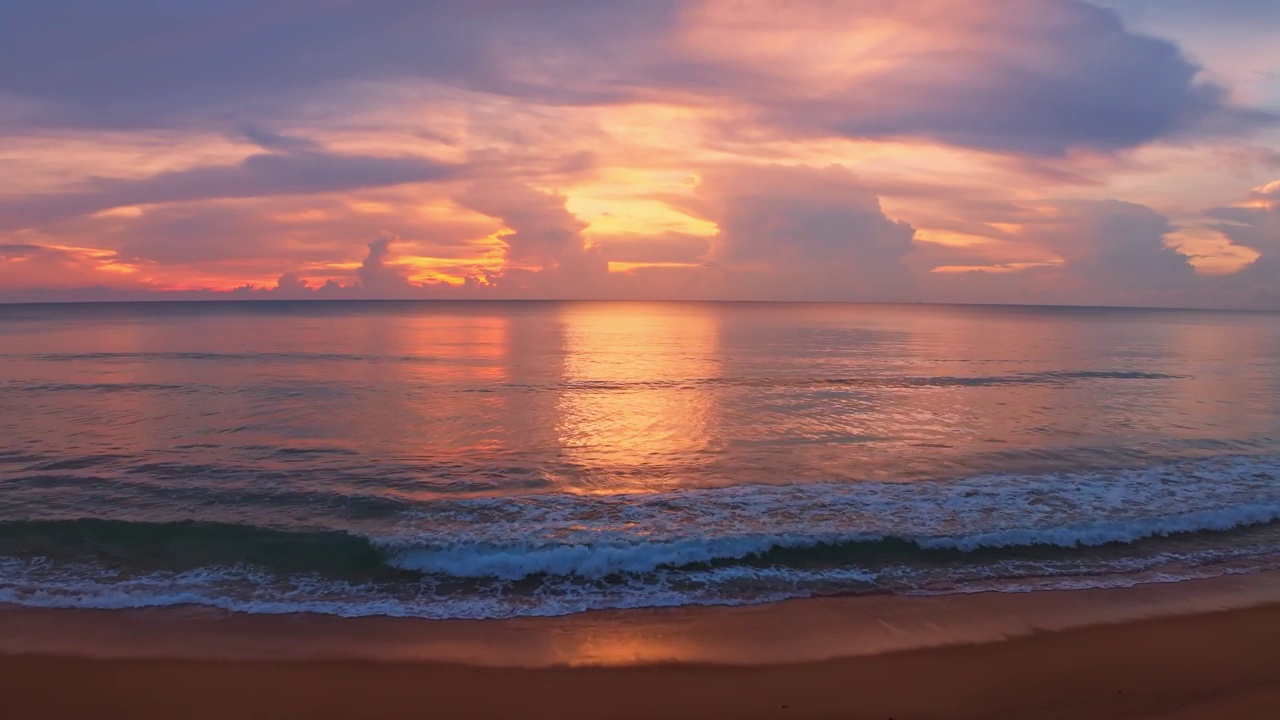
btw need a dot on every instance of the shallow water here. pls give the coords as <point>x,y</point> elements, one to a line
<point>494,459</point>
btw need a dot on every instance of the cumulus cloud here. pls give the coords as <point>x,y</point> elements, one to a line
<point>1110,246</point>
<point>379,277</point>
<point>802,232</point>
<point>376,274</point>
<point>1255,225</point>
<point>290,283</point>
<point>1096,252</point>
<point>545,249</point>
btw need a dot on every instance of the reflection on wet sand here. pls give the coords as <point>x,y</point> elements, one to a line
<point>796,631</point>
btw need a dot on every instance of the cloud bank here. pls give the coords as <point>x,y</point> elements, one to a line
<point>1060,151</point>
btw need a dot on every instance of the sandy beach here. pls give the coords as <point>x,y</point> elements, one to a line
<point>1210,663</point>
<point>1222,665</point>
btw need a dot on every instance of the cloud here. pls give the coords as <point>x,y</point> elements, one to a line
<point>1256,225</point>
<point>668,247</point>
<point>23,265</point>
<point>1230,12</point>
<point>379,277</point>
<point>191,234</point>
<point>261,175</point>
<point>376,275</point>
<point>268,140</point>
<point>139,63</point>
<point>260,144</point>
<point>23,251</point>
<point>1110,245</point>
<point>290,283</point>
<point>289,230</point>
<point>545,249</point>
<point>802,232</point>
<point>1095,252</point>
<point>1038,77</point>
<point>226,243</point>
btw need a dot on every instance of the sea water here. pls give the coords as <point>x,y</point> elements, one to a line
<point>492,459</point>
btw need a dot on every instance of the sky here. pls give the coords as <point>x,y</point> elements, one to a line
<point>1119,152</point>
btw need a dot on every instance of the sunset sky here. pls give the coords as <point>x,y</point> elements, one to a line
<point>1030,151</point>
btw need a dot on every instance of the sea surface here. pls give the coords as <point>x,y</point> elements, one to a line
<point>492,459</point>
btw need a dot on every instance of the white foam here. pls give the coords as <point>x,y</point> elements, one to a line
<point>595,536</point>
<point>1113,531</point>
<point>250,591</point>
<point>554,554</point>
<point>514,562</point>
<point>588,561</point>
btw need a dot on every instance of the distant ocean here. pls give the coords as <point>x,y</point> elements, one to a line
<point>476,460</point>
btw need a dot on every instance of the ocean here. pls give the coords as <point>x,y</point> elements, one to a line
<point>498,459</point>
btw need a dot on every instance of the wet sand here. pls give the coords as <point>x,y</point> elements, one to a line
<point>1211,663</point>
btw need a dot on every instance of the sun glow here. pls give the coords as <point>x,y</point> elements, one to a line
<point>632,430</point>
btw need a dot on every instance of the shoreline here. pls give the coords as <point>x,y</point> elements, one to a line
<point>788,632</point>
<point>1213,661</point>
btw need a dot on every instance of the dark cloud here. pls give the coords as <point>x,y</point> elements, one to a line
<point>1039,76</point>
<point>261,175</point>
<point>268,140</point>
<point>23,250</point>
<point>147,62</point>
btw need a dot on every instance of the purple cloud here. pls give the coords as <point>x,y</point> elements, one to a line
<point>261,175</point>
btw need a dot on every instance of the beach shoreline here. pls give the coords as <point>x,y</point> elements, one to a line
<point>1215,665</point>
<point>788,632</point>
<point>1197,649</point>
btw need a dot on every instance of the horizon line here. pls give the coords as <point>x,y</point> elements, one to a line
<point>321,300</point>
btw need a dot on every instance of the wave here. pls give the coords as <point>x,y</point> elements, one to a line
<point>149,546</point>
<point>69,387</point>
<point>595,535</point>
<point>183,545</point>
<point>883,382</point>
<point>554,552</point>
<point>515,562</point>
<point>1049,377</point>
<point>251,590</point>
<point>870,382</point>
<point>252,357</point>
